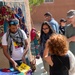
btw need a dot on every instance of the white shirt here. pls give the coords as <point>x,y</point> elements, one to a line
<point>17,53</point>
<point>72,63</point>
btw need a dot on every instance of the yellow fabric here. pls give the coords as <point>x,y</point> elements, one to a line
<point>23,68</point>
<point>15,44</point>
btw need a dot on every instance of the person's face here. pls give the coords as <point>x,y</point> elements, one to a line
<point>45,29</point>
<point>13,28</point>
<point>47,18</point>
<point>62,23</point>
<point>71,20</point>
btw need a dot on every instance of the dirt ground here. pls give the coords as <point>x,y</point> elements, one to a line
<point>3,60</point>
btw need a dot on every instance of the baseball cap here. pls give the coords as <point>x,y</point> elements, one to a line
<point>47,14</point>
<point>63,20</point>
<point>70,13</point>
<point>13,22</point>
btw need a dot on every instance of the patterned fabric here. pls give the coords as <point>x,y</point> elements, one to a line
<point>19,15</point>
<point>34,48</point>
<point>34,42</point>
<point>17,38</point>
<point>5,14</point>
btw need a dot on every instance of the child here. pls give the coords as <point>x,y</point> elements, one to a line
<point>34,48</point>
<point>61,60</point>
<point>34,43</point>
<point>62,26</point>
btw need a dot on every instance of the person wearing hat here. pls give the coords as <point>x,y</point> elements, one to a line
<point>70,30</point>
<point>15,44</point>
<point>62,26</point>
<point>54,24</point>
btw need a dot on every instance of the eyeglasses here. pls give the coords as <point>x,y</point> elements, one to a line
<point>45,28</point>
<point>13,22</point>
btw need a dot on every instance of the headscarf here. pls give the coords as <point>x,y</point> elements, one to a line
<point>16,37</point>
<point>33,34</point>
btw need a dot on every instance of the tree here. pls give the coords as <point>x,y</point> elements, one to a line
<point>35,2</point>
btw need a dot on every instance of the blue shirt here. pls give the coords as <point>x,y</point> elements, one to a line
<point>54,24</point>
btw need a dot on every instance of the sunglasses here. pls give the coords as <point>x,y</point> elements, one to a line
<point>45,28</point>
<point>13,22</point>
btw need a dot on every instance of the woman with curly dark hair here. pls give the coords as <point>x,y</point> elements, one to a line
<point>61,60</point>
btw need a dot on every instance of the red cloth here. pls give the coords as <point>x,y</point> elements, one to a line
<point>7,12</point>
<point>33,34</point>
<point>5,70</point>
<point>1,22</point>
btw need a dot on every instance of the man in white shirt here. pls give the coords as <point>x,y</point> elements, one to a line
<point>15,44</point>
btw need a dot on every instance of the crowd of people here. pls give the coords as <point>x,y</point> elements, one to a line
<point>55,45</point>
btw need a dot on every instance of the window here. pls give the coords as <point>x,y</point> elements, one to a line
<point>49,0</point>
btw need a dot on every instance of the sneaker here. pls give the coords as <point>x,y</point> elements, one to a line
<point>44,71</point>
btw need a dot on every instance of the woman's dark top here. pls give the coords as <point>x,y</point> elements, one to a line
<point>61,65</point>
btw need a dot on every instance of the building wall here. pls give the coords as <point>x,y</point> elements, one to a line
<point>58,9</point>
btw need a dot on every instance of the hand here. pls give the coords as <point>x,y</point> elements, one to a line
<point>71,39</point>
<point>15,65</point>
<point>49,60</point>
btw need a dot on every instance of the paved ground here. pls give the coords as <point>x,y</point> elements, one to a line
<point>39,68</point>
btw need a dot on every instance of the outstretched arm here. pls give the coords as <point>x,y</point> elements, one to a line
<point>71,39</point>
<point>46,56</point>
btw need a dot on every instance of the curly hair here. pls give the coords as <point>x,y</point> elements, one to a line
<point>57,44</point>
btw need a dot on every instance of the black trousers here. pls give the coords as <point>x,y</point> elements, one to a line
<point>17,61</point>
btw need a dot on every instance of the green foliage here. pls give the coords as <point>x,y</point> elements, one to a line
<point>35,2</point>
